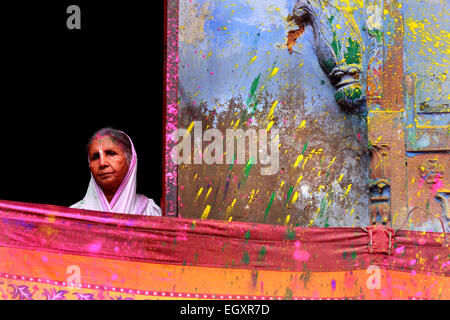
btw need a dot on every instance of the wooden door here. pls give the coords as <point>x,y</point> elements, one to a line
<point>408,103</point>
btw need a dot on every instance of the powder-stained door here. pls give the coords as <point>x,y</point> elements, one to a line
<point>409,115</point>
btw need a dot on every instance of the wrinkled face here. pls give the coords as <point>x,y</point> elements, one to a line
<point>108,163</point>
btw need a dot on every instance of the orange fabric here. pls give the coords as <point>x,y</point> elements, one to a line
<point>44,249</point>
<point>113,279</point>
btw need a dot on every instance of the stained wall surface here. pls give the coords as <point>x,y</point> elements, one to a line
<point>354,94</point>
<point>237,70</point>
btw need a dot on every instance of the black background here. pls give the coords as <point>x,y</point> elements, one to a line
<point>59,86</point>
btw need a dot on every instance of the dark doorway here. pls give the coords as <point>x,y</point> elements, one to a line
<point>61,85</point>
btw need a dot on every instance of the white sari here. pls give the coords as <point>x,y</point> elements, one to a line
<point>126,200</point>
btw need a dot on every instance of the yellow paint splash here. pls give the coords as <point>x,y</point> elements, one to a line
<point>274,72</point>
<point>299,159</point>
<point>207,194</point>
<point>302,124</point>
<point>331,162</point>
<point>272,109</point>
<point>236,124</point>
<point>199,193</point>
<point>206,212</point>
<point>348,190</point>
<point>294,197</point>
<point>252,194</point>
<point>230,207</point>
<point>306,159</point>
<point>189,129</point>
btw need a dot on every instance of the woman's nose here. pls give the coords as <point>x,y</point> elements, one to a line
<point>102,161</point>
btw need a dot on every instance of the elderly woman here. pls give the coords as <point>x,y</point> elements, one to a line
<point>113,165</point>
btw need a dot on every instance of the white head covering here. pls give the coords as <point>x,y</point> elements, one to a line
<point>126,200</point>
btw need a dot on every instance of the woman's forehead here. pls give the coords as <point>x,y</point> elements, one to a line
<point>102,141</point>
<point>101,138</point>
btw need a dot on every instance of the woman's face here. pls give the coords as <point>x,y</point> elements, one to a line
<point>108,163</point>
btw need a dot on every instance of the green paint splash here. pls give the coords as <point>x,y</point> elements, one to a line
<point>289,194</point>
<point>252,91</point>
<point>304,148</point>
<point>248,167</point>
<point>246,171</point>
<point>268,207</point>
<point>247,236</point>
<point>290,233</point>
<point>322,206</point>
<point>288,294</point>
<point>230,167</point>
<point>378,34</point>
<point>246,258</point>
<point>351,93</point>
<point>353,54</point>
<point>262,253</point>
<point>336,45</point>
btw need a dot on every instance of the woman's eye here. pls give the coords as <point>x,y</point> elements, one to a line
<point>111,153</point>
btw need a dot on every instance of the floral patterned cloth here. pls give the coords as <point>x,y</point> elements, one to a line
<point>52,253</point>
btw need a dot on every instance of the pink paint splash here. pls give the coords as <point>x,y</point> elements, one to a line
<point>171,120</point>
<point>437,184</point>
<point>400,250</point>
<point>300,255</point>
<point>421,182</point>
<point>94,247</point>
